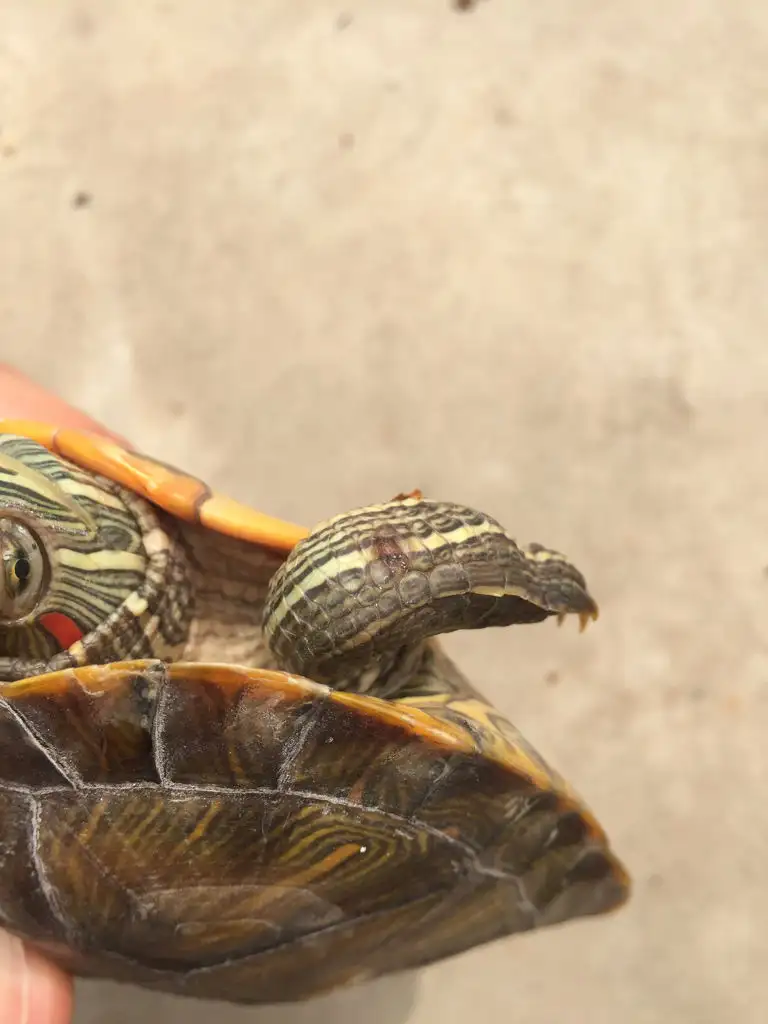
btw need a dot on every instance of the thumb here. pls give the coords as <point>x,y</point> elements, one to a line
<point>23,399</point>
<point>32,991</point>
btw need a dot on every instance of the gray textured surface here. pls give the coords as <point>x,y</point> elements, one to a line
<point>517,258</point>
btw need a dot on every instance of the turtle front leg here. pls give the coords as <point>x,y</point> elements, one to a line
<point>13,669</point>
<point>355,603</point>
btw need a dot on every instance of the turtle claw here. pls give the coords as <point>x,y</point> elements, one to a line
<point>584,618</point>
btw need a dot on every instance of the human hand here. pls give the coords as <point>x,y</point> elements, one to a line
<point>32,990</point>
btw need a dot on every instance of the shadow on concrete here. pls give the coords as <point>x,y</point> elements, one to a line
<point>387,1001</point>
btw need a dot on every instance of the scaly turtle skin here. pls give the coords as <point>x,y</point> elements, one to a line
<point>234,763</point>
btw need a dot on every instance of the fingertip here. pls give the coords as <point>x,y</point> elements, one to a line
<point>32,990</point>
<point>23,399</point>
<point>51,992</point>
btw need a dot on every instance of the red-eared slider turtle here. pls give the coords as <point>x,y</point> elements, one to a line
<point>234,763</point>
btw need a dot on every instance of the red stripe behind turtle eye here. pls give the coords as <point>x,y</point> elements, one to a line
<point>63,630</point>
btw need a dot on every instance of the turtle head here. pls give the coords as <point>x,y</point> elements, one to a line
<point>70,556</point>
<point>367,588</point>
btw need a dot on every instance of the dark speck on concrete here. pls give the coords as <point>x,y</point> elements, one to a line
<point>81,199</point>
<point>503,117</point>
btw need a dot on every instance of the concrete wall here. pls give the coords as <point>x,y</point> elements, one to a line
<point>320,253</point>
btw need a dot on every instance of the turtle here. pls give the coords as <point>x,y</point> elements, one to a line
<point>236,762</point>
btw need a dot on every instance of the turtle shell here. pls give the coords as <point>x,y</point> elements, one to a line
<point>169,488</point>
<point>247,835</point>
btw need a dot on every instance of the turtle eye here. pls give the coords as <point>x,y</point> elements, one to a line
<point>23,570</point>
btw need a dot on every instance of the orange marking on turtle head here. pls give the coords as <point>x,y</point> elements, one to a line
<point>63,630</point>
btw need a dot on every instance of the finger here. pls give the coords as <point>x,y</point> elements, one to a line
<point>21,398</point>
<point>32,991</point>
